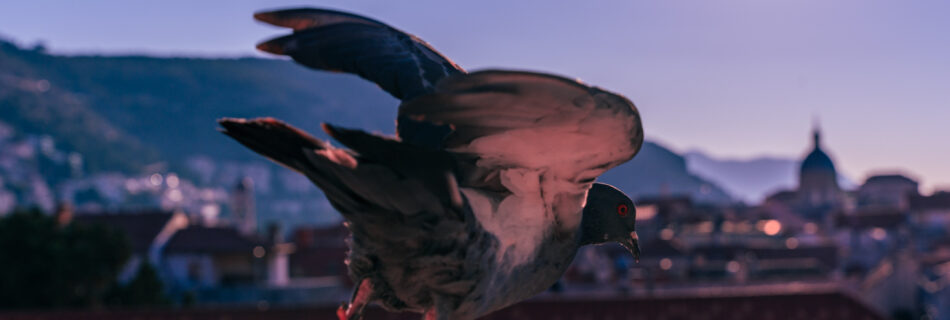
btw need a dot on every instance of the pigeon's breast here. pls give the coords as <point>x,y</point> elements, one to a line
<point>536,208</point>
<point>505,284</point>
<point>518,223</point>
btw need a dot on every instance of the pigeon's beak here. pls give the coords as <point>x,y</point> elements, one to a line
<point>633,245</point>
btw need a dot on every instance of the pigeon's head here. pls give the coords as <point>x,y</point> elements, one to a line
<point>609,216</point>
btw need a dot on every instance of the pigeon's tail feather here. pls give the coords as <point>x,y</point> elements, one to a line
<point>292,147</point>
<point>379,175</point>
<point>403,65</point>
<point>274,139</point>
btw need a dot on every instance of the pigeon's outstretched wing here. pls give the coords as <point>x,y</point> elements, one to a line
<point>400,63</point>
<point>509,119</point>
<point>402,203</point>
<point>377,174</point>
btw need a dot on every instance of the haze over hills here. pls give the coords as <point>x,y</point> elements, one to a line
<point>750,180</point>
<point>138,114</point>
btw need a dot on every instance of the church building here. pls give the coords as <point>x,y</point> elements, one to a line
<point>818,192</point>
<point>818,180</point>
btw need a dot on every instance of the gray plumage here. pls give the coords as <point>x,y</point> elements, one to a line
<point>487,193</point>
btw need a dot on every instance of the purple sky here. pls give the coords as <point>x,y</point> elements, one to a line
<point>735,79</point>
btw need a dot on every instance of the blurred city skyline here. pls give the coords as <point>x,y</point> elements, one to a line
<point>735,79</point>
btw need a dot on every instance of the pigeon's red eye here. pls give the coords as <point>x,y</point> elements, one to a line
<point>622,209</point>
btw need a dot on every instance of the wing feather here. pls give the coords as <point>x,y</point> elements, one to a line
<point>505,119</point>
<point>400,63</point>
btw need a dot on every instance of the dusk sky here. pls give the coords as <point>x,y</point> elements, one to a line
<point>735,79</point>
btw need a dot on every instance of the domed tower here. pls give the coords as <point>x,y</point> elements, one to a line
<point>818,180</point>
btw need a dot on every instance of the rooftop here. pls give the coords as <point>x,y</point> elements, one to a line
<point>890,178</point>
<point>872,218</point>
<point>140,227</point>
<point>939,201</point>
<point>200,239</point>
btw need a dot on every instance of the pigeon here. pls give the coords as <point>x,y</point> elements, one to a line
<point>486,192</point>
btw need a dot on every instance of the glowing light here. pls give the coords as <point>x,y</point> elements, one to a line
<point>811,228</point>
<point>666,264</point>
<point>646,212</point>
<point>666,234</point>
<point>172,180</point>
<point>259,252</point>
<point>175,195</point>
<point>791,243</point>
<point>705,227</point>
<point>131,185</point>
<point>728,227</point>
<point>878,234</point>
<point>210,211</point>
<point>732,266</point>
<point>155,179</point>
<point>772,227</point>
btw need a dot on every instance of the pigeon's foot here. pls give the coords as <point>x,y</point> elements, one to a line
<point>341,311</point>
<point>429,315</point>
<point>361,296</point>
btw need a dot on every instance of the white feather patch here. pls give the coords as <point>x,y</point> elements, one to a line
<point>521,220</point>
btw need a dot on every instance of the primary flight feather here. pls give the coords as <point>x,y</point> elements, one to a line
<point>486,193</point>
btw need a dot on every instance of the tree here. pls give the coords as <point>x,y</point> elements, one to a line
<point>45,265</point>
<point>145,289</point>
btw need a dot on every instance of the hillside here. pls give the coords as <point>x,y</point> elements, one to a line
<point>172,103</point>
<point>31,104</point>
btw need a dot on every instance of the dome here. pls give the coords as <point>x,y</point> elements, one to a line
<point>817,161</point>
